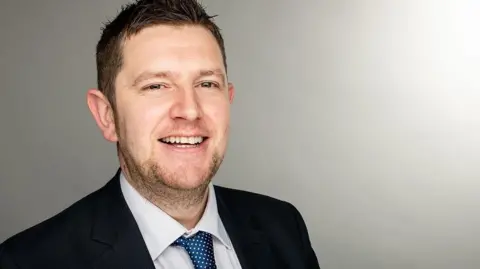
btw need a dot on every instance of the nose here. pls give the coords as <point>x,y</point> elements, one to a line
<point>187,106</point>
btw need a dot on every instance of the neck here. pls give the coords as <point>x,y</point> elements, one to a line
<point>184,205</point>
<point>187,215</point>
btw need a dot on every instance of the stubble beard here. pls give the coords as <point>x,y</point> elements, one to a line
<point>160,186</point>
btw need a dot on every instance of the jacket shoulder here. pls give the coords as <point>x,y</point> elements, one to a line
<point>56,235</point>
<point>254,203</point>
<point>246,196</point>
<point>279,219</point>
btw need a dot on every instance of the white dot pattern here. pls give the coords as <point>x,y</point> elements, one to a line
<point>200,249</point>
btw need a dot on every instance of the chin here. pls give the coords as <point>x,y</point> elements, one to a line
<point>195,185</point>
<point>187,184</point>
<point>186,180</point>
<point>185,175</point>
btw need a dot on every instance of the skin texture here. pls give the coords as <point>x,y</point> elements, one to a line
<point>172,83</point>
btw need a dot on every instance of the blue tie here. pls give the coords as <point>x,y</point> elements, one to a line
<point>200,249</point>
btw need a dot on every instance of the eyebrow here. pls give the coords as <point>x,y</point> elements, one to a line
<point>167,74</point>
<point>213,72</point>
<point>149,75</point>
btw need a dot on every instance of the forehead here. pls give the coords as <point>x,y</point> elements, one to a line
<point>179,49</point>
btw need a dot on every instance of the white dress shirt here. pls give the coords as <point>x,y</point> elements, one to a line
<point>159,231</point>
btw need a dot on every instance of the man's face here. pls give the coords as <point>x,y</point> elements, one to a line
<point>172,105</point>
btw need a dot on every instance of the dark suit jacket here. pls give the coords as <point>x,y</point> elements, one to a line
<point>99,231</point>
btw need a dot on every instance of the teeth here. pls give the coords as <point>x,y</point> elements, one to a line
<point>183,140</point>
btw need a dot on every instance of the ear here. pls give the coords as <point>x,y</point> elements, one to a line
<point>231,92</point>
<point>103,114</point>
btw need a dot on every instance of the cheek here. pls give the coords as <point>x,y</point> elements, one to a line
<point>140,121</point>
<point>219,114</point>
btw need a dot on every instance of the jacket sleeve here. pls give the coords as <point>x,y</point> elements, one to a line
<point>6,261</point>
<point>310,256</point>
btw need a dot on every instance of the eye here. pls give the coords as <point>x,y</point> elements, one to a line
<point>155,87</point>
<point>209,84</point>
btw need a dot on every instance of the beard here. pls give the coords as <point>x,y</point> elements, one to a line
<point>160,185</point>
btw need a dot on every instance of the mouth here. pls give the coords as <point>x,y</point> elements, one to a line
<point>184,141</point>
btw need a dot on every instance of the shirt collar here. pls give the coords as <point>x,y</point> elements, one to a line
<point>159,230</point>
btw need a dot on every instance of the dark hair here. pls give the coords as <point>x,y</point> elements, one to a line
<point>135,17</point>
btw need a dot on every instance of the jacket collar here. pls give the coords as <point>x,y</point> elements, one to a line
<point>246,232</point>
<point>115,227</point>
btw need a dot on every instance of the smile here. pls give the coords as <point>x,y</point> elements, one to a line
<point>184,141</point>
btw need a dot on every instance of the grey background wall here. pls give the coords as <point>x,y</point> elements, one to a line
<point>364,114</point>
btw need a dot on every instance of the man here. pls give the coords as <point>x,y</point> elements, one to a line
<point>163,97</point>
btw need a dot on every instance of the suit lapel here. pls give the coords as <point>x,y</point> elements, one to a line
<point>249,240</point>
<point>116,228</point>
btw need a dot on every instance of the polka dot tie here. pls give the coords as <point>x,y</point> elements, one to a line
<point>200,249</point>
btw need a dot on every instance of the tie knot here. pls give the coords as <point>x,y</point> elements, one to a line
<point>198,240</point>
<point>200,249</point>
